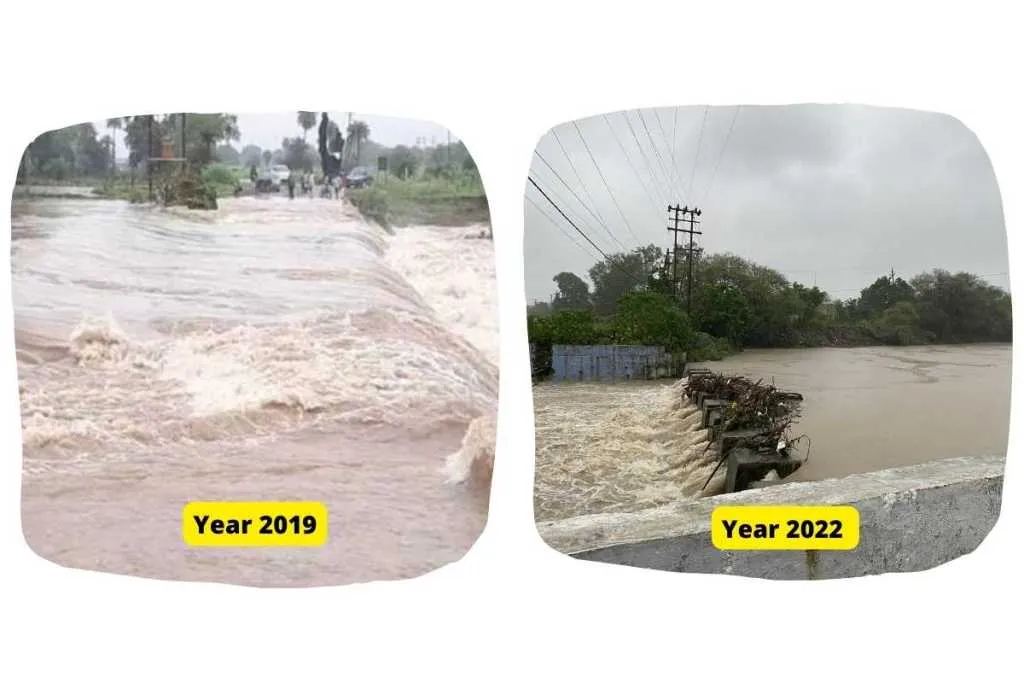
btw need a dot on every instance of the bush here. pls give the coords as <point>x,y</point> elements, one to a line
<point>708,348</point>
<point>372,202</point>
<point>219,174</point>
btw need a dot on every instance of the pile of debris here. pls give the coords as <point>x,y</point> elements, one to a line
<point>749,421</point>
<point>748,405</point>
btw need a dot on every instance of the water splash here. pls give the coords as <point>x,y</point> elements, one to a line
<point>618,448</point>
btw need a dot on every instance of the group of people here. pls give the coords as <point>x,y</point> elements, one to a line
<point>331,145</point>
<point>306,184</point>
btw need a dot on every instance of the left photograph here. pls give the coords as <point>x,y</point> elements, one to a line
<point>257,349</point>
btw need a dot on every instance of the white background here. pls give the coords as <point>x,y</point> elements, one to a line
<point>499,75</point>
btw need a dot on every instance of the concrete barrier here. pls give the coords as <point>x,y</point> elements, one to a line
<point>912,518</point>
<point>614,362</point>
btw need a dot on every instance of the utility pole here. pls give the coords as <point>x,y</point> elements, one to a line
<point>149,155</point>
<point>687,215</point>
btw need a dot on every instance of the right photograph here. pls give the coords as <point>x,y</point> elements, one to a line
<point>767,341</point>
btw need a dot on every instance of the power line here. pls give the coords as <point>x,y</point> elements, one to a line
<point>654,148</point>
<point>647,163</point>
<point>675,122</point>
<point>569,220</point>
<point>675,169</point>
<point>696,156</point>
<point>721,154</point>
<point>579,219</point>
<point>582,203</point>
<point>555,223</point>
<point>578,178</point>
<point>654,202</point>
<point>603,180</point>
<point>607,258</point>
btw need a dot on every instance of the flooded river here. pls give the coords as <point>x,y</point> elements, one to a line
<point>629,445</point>
<point>272,350</point>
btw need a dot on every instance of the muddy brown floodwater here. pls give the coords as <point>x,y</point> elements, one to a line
<point>272,350</point>
<point>605,447</point>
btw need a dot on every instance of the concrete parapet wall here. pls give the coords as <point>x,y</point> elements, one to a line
<point>912,518</point>
<point>588,363</point>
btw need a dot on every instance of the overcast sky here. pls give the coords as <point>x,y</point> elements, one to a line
<point>833,195</point>
<point>267,130</point>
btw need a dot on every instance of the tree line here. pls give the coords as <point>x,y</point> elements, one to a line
<point>737,304</point>
<point>82,151</point>
<point>359,150</point>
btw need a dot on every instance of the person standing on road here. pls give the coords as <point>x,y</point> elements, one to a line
<point>322,143</point>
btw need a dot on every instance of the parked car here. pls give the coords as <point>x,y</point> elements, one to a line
<point>358,177</point>
<point>279,174</point>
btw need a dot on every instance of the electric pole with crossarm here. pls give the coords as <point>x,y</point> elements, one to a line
<point>687,215</point>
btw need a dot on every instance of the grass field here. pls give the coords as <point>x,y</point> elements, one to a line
<point>426,201</point>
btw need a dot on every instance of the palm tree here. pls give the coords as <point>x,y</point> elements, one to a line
<point>307,121</point>
<point>231,131</point>
<point>358,132</point>
<point>114,124</point>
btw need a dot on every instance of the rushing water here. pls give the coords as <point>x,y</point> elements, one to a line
<point>271,350</point>
<point>629,445</point>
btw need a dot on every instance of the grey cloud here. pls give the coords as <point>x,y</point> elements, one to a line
<point>832,195</point>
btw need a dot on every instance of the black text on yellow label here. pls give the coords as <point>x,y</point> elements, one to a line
<point>259,523</point>
<point>796,527</point>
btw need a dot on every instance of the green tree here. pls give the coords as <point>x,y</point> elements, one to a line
<point>114,124</point>
<point>227,154</point>
<point>765,290</point>
<point>137,139</point>
<point>307,121</point>
<point>358,133</point>
<point>566,327</point>
<point>538,308</point>
<point>268,156</point>
<point>882,294</point>
<point>898,325</point>
<point>651,318</point>
<point>402,162</point>
<point>620,274</point>
<point>298,155</point>
<point>251,154</point>
<point>62,153</point>
<point>573,293</point>
<point>725,312</point>
<point>961,308</point>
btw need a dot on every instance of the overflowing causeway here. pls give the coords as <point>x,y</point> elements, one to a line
<point>912,518</point>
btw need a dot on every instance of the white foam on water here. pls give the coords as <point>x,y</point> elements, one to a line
<point>618,448</point>
<point>253,324</point>
<point>453,270</point>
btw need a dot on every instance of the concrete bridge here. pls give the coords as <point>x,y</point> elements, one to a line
<point>912,518</point>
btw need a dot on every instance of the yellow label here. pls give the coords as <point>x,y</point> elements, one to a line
<point>259,523</point>
<point>797,527</point>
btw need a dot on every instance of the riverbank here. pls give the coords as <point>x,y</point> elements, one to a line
<point>394,203</point>
<point>214,182</point>
<point>721,350</point>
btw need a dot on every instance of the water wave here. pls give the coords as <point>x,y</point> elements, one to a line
<point>618,448</point>
<point>250,326</point>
